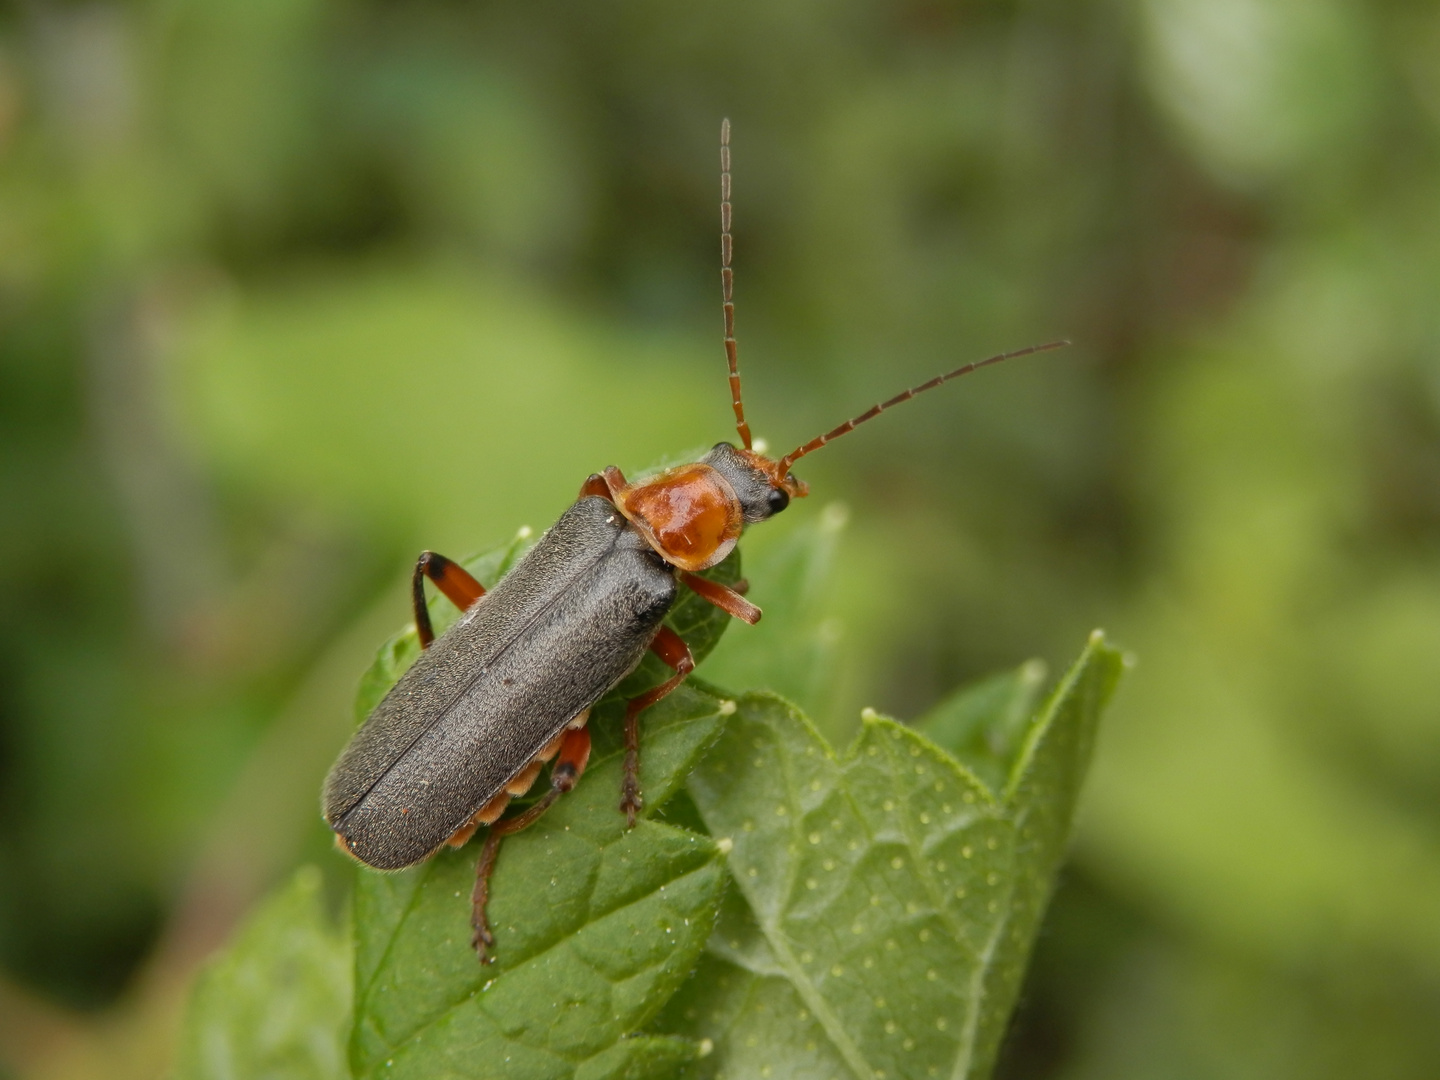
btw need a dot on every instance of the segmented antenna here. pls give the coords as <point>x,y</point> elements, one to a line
<point>727,280</point>
<point>875,410</point>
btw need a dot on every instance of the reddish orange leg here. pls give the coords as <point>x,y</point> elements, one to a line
<point>727,600</point>
<point>671,648</point>
<point>451,579</point>
<point>594,485</point>
<point>606,484</point>
<point>569,766</point>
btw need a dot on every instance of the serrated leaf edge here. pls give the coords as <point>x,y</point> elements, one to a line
<point>1094,647</point>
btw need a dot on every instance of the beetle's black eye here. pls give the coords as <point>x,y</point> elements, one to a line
<point>777,500</point>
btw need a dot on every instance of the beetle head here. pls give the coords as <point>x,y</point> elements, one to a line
<point>762,489</point>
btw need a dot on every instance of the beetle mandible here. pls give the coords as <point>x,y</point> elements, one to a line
<point>509,687</point>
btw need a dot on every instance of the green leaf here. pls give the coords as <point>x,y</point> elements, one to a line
<point>276,1003</point>
<point>596,926</point>
<point>886,901</point>
<point>1040,800</point>
<point>885,907</point>
<point>984,725</point>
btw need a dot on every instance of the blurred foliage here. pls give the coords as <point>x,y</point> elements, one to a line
<point>290,289</point>
<point>275,1003</point>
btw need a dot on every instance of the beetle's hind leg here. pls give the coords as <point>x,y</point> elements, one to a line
<point>491,811</point>
<point>453,581</point>
<point>670,647</point>
<point>569,766</point>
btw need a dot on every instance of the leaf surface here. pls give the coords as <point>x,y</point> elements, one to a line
<point>885,900</point>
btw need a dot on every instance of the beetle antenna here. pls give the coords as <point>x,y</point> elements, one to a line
<point>727,281</point>
<point>875,410</point>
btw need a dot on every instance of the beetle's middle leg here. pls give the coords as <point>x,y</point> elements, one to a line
<point>453,581</point>
<point>569,766</point>
<point>670,647</point>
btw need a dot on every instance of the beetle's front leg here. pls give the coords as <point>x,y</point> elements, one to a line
<point>670,647</point>
<point>726,599</point>
<point>569,767</point>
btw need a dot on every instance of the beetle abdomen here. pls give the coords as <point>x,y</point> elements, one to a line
<point>571,620</point>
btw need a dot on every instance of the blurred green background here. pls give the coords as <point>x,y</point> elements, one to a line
<point>290,289</point>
